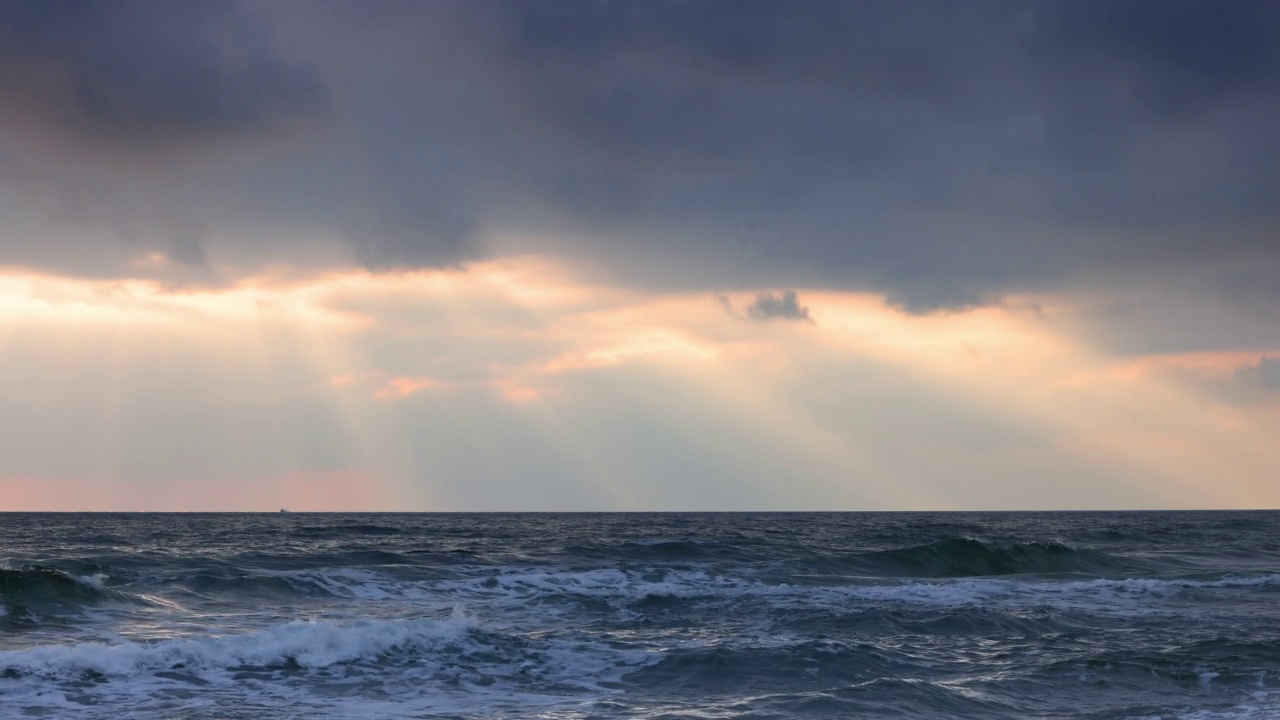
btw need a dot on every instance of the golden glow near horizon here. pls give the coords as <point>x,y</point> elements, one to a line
<point>381,352</point>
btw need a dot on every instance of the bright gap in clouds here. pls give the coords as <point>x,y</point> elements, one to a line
<point>514,384</point>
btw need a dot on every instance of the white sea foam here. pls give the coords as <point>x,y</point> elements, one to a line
<point>306,644</point>
<point>352,583</point>
<point>632,585</point>
<point>1262,705</point>
<point>515,587</point>
<point>97,581</point>
<point>424,664</point>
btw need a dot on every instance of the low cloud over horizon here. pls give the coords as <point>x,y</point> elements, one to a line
<point>640,254</point>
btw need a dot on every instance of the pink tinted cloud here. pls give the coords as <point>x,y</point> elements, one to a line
<point>401,387</point>
<point>515,392</point>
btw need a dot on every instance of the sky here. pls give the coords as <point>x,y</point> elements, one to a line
<point>650,255</point>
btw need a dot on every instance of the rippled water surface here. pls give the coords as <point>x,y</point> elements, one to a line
<point>887,615</point>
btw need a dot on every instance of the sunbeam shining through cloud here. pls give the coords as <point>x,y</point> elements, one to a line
<point>638,255</point>
<point>515,383</point>
<point>623,359</point>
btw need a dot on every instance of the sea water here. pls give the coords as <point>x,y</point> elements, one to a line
<point>870,615</point>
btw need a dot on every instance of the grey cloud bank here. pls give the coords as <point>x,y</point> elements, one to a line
<point>1265,375</point>
<point>941,154</point>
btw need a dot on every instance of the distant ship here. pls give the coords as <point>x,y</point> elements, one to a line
<point>283,510</point>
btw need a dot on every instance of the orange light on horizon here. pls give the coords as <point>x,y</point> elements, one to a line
<point>525,331</point>
<point>303,490</point>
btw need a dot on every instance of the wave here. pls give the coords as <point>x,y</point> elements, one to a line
<point>350,583</point>
<point>707,668</point>
<point>1218,661</point>
<point>644,589</point>
<point>351,558</point>
<point>653,550</point>
<point>807,678</point>
<point>38,588</point>
<point>966,557</point>
<point>358,530</point>
<point>308,645</point>
<point>425,664</point>
<point>104,540</point>
<point>1125,596</point>
<point>554,590</point>
<point>1263,705</point>
<point>1122,597</point>
<point>35,593</point>
<point>334,582</point>
<point>656,589</point>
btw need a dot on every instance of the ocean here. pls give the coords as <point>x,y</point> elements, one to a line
<point>658,616</point>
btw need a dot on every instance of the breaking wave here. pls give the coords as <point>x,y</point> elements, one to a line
<point>964,557</point>
<point>423,664</point>
<point>35,583</point>
<point>308,645</point>
<point>525,588</point>
<point>784,616</point>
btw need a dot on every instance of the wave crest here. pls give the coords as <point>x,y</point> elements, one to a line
<point>304,644</point>
<point>966,557</point>
<point>36,587</point>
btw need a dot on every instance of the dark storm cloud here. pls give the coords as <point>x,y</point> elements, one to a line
<point>1182,53</point>
<point>143,71</point>
<point>1155,112</point>
<point>778,306</point>
<point>943,154</point>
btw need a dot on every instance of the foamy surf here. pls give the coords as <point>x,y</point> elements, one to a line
<point>518,587</point>
<point>611,617</point>
<point>426,664</point>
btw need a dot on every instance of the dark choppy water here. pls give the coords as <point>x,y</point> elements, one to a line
<point>901,615</point>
